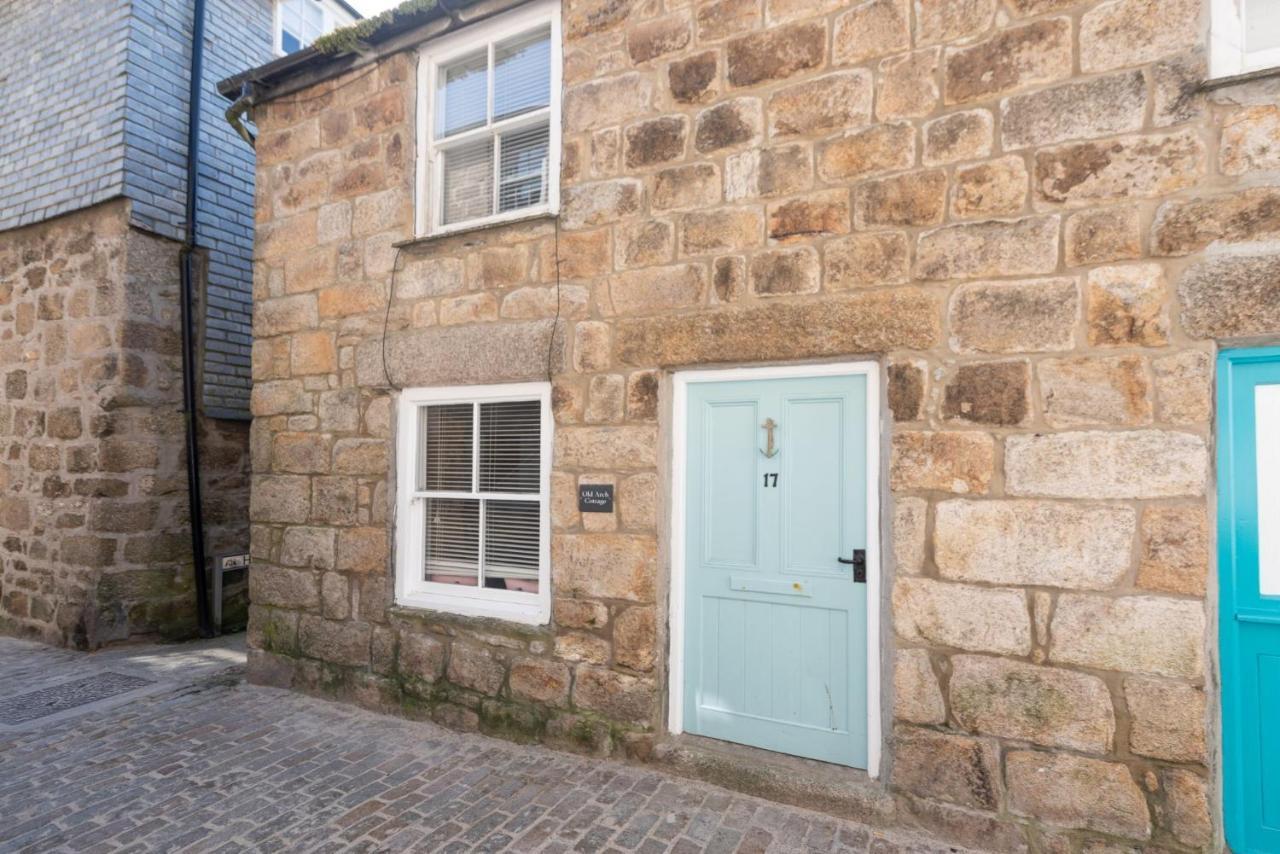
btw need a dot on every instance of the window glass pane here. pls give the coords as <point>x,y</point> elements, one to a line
<point>523,174</point>
<point>462,94</point>
<point>522,73</point>
<point>1261,25</point>
<point>511,545</point>
<point>452,541</point>
<point>468,182</point>
<point>289,42</point>
<point>445,446</point>
<point>510,446</point>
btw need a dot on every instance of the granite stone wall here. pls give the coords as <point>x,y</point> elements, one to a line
<point>1027,210</point>
<point>96,543</point>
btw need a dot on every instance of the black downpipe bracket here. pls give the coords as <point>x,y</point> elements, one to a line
<point>187,263</point>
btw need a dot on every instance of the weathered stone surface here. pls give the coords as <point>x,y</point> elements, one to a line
<point>1184,387</point>
<point>1131,32</point>
<point>1072,791</point>
<point>993,393</point>
<point>658,288</point>
<point>475,667</point>
<point>308,547</point>
<point>868,151</point>
<point>906,389</point>
<point>580,614</point>
<point>951,20</point>
<point>579,646</point>
<point>729,124</point>
<point>768,172</point>
<point>1183,227</point>
<point>1102,106</point>
<point>916,695</point>
<point>1090,464</point>
<point>869,29</point>
<point>959,462</point>
<point>809,216</point>
<point>907,85</point>
<point>421,657</point>
<point>591,342</point>
<point>785,271</point>
<point>600,203</point>
<point>1033,543</point>
<point>997,248</point>
<point>913,198</point>
<point>617,695</point>
<point>1229,296</point>
<point>822,105</point>
<point>1033,315</point>
<point>978,619</point>
<point>606,448</point>
<point>959,136</point>
<point>909,533</point>
<point>1043,705</point>
<point>720,230</point>
<point>658,37</point>
<point>1187,806</point>
<point>952,768</point>
<point>997,188</point>
<point>1126,305</point>
<point>1086,390</point>
<point>866,260</point>
<point>721,18</point>
<point>693,80</point>
<point>689,186</point>
<point>776,53</point>
<point>871,322</point>
<point>538,680</point>
<point>1137,634</point>
<point>1168,720</point>
<point>1019,56</point>
<point>284,588</point>
<point>460,355</point>
<point>1121,168</point>
<point>655,141</point>
<point>280,498</point>
<point>605,566</point>
<point>611,101</point>
<point>1251,141</point>
<point>339,642</point>
<point>635,639</point>
<point>1096,237</point>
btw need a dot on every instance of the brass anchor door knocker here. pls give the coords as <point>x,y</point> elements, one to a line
<point>769,450</point>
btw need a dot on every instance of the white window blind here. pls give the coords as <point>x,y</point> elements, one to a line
<point>478,508</point>
<point>491,142</point>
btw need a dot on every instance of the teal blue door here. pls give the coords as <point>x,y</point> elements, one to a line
<point>775,623</point>
<point>1249,567</point>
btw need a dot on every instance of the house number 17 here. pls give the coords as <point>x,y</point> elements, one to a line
<point>770,479</point>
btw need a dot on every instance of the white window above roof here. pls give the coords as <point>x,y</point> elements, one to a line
<point>1245,37</point>
<point>300,22</point>
<point>472,518</point>
<point>489,121</point>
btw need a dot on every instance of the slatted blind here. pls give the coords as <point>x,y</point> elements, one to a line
<point>482,451</point>
<point>506,168</point>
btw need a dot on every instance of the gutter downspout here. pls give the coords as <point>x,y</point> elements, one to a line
<point>186,263</point>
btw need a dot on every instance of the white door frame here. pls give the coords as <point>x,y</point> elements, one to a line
<point>676,611</point>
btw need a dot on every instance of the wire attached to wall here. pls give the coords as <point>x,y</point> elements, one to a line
<point>386,320</point>
<point>555,321</point>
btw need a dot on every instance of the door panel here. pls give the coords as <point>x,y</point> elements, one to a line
<point>1249,623</point>
<point>775,635</point>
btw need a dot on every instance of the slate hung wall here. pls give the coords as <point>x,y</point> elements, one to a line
<point>1026,210</point>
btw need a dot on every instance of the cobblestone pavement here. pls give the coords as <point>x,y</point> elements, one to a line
<point>214,765</point>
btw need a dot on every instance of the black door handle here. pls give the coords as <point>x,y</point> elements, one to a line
<point>859,564</point>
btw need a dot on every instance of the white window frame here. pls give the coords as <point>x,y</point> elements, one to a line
<point>1227,54</point>
<point>334,16</point>
<point>411,588</point>
<point>448,48</point>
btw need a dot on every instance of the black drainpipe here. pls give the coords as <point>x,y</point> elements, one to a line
<point>186,265</point>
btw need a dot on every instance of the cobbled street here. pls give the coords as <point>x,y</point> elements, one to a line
<point>200,761</point>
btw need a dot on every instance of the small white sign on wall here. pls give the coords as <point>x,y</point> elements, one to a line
<point>1266,403</point>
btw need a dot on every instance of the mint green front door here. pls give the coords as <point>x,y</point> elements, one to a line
<point>775,622</point>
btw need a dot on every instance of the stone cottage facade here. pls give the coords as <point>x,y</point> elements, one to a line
<point>1030,215</point>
